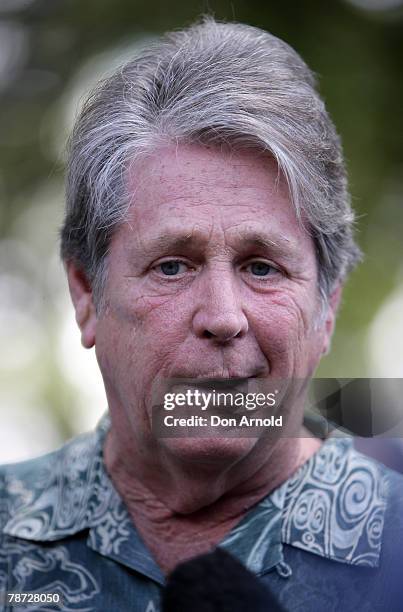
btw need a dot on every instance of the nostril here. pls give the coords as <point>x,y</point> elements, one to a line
<point>221,336</point>
<point>219,326</point>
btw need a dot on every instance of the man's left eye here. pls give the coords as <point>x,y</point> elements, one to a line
<point>260,268</point>
<point>171,267</point>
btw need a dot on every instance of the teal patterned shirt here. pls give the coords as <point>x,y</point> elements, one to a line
<point>329,538</point>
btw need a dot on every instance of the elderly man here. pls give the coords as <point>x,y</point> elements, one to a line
<point>207,236</point>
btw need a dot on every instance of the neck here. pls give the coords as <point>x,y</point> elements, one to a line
<point>169,488</point>
<point>182,512</point>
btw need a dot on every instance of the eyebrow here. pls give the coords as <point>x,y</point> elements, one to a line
<point>279,245</point>
<point>194,240</point>
<point>261,240</point>
<point>175,240</point>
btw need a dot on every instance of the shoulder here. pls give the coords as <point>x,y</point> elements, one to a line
<point>346,510</point>
<point>392,545</point>
<point>340,503</point>
<point>382,479</point>
<point>372,490</point>
<point>21,482</point>
<point>36,484</point>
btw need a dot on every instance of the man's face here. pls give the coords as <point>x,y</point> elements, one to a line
<point>211,276</point>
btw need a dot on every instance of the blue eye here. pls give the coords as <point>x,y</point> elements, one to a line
<point>171,268</point>
<point>260,268</point>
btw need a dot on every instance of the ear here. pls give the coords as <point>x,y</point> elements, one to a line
<point>81,295</point>
<point>332,307</point>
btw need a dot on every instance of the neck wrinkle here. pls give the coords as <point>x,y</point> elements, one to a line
<point>209,500</point>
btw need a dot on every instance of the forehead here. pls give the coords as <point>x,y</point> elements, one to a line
<point>192,186</point>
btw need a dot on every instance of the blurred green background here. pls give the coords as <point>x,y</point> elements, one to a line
<point>51,53</point>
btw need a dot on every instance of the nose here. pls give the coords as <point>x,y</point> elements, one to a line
<point>219,315</point>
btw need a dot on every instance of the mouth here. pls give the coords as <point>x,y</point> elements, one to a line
<point>211,384</point>
<point>225,376</point>
<point>239,384</point>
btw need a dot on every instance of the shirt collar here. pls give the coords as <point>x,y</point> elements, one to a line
<point>333,506</point>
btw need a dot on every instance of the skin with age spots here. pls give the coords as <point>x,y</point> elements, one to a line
<point>211,276</point>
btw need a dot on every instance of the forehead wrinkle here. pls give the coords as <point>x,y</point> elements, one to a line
<point>202,187</point>
<point>175,239</point>
<point>202,179</point>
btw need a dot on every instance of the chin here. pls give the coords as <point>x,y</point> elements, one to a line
<point>211,451</point>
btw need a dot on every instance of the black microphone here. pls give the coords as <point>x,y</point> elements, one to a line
<point>216,582</point>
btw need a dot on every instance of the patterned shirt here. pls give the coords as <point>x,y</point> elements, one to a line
<point>329,538</point>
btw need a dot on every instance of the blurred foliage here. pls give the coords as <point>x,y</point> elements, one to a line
<point>357,55</point>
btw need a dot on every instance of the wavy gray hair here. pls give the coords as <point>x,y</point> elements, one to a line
<point>211,83</point>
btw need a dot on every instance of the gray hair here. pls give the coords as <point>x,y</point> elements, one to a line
<point>212,83</point>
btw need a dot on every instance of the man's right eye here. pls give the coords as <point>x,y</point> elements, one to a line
<point>172,267</point>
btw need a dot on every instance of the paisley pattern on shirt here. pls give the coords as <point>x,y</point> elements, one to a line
<point>61,493</point>
<point>335,505</point>
<point>74,584</point>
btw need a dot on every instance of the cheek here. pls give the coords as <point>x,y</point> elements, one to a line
<point>284,327</point>
<point>137,304</point>
<point>142,333</point>
<point>163,322</point>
